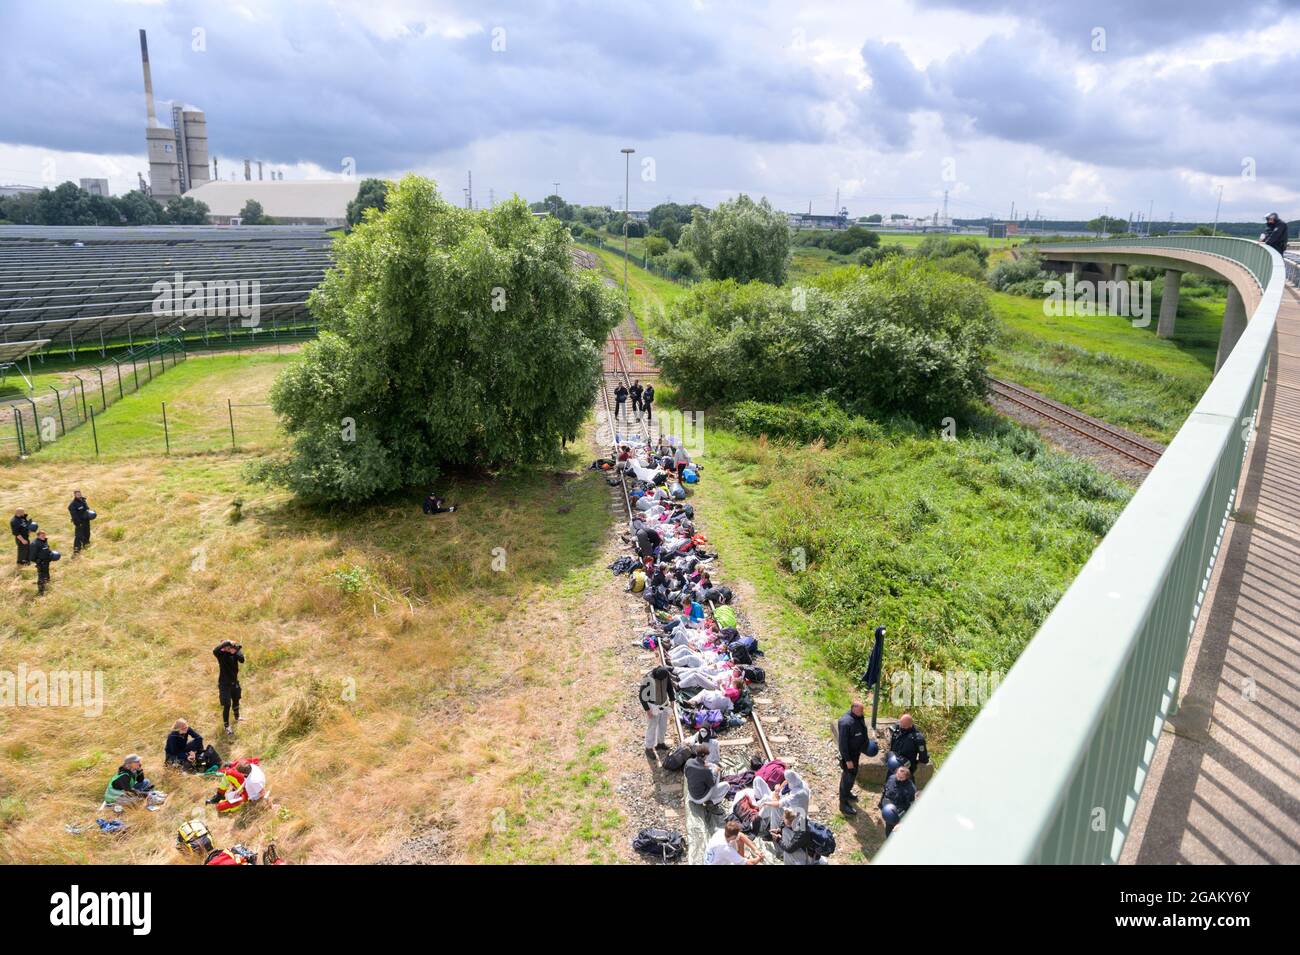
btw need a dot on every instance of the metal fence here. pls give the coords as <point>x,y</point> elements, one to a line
<point>1051,769</point>
<point>183,428</point>
<point>28,424</point>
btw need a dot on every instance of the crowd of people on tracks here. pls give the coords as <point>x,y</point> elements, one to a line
<point>239,784</point>
<point>706,666</point>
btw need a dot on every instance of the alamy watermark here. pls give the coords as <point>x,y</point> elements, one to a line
<point>70,688</point>
<point>949,688</point>
<point>1084,297</point>
<point>216,298</point>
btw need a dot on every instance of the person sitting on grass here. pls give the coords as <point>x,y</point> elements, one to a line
<point>437,505</point>
<point>899,794</point>
<point>231,794</point>
<point>128,784</point>
<point>184,749</point>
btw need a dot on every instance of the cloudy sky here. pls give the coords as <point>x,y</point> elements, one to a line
<point>1060,106</point>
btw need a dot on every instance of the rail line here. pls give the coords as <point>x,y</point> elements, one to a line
<point>1138,450</point>
<point>616,371</point>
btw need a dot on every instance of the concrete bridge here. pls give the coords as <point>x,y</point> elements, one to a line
<point>1155,717</point>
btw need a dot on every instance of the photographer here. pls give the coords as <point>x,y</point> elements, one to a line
<point>81,515</point>
<point>229,656</point>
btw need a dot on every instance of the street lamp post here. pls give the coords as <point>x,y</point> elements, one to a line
<point>627,180</point>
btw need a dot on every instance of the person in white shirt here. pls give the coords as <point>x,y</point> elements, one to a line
<point>254,779</point>
<point>730,846</point>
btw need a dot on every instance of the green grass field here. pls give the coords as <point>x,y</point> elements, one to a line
<point>395,661</point>
<point>649,295</point>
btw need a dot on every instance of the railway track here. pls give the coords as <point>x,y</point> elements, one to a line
<point>626,359</point>
<point>1138,450</point>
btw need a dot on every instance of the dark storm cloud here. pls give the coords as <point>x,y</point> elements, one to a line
<point>306,82</point>
<point>1020,89</point>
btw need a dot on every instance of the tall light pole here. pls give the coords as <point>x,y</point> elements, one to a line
<point>556,193</point>
<point>1217,206</point>
<point>627,181</point>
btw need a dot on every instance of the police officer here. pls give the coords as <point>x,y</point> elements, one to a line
<point>620,396</point>
<point>229,656</point>
<point>635,392</point>
<point>647,400</point>
<point>897,798</point>
<point>41,557</point>
<point>906,745</point>
<point>80,513</point>
<point>852,738</point>
<point>21,527</point>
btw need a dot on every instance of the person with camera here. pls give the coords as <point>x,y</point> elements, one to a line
<point>229,656</point>
<point>21,526</point>
<point>42,557</point>
<point>81,515</point>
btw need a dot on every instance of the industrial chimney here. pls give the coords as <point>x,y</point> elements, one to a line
<point>259,170</point>
<point>148,80</point>
<point>248,171</point>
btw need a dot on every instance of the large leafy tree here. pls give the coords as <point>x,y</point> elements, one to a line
<point>449,338</point>
<point>253,214</point>
<point>371,194</point>
<point>139,209</point>
<point>185,210</point>
<point>741,239</point>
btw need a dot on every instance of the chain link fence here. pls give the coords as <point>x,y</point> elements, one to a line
<point>45,416</point>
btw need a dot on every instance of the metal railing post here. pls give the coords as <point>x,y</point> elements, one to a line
<point>36,420</point>
<point>102,395</point>
<point>135,370</point>
<point>59,399</point>
<point>167,440</point>
<point>83,396</point>
<point>230,410</point>
<point>18,430</point>
<point>93,432</point>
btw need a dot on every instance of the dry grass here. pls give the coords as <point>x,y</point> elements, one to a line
<point>394,682</point>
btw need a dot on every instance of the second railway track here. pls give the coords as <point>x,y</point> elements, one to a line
<point>1129,446</point>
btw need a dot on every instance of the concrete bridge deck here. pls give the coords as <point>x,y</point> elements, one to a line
<point>1225,783</point>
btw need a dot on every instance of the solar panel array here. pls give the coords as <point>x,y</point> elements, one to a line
<point>81,285</point>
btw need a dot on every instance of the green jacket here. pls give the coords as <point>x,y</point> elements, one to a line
<point>123,782</point>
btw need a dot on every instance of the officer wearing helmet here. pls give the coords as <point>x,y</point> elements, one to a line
<point>906,745</point>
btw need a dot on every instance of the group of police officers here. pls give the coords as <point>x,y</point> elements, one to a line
<point>34,545</point>
<point>907,750</point>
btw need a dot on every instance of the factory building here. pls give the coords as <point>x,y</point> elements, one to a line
<point>177,145</point>
<point>288,202</point>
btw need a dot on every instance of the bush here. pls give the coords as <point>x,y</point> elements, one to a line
<point>657,245</point>
<point>900,337</point>
<point>1011,271</point>
<point>449,337</point>
<point>679,265</point>
<point>741,239</point>
<point>803,420</point>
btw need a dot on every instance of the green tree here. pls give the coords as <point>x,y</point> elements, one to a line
<point>252,214</point>
<point>138,209</point>
<point>741,239</point>
<point>875,217</point>
<point>185,210</point>
<point>371,194</point>
<point>449,338</point>
<point>66,204</point>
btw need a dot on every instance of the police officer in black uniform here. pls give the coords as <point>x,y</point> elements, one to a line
<point>620,396</point>
<point>635,392</point>
<point>229,656</point>
<point>647,401</point>
<point>20,526</point>
<point>80,512</point>
<point>41,557</point>
<point>906,744</point>
<point>852,736</point>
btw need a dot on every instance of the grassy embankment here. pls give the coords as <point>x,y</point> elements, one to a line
<point>396,682</point>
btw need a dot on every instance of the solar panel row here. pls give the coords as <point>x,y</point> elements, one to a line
<point>76,285</point>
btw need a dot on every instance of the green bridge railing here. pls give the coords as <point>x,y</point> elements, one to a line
<point>1051,769</point>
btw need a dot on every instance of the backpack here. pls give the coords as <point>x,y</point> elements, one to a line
<point>754,674</point>
<point>725,616</point>
<point>675,761</point>
<point>818,840</point>
<point>193,837</point>
<point>739,653</point>
<point>689,476</point>
<point>663,843</point>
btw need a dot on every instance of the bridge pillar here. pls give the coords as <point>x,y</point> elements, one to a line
<point>1169,303</point>
<point>1234,323</point>
<point>1119,273</point>
<point>1076,269</point>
